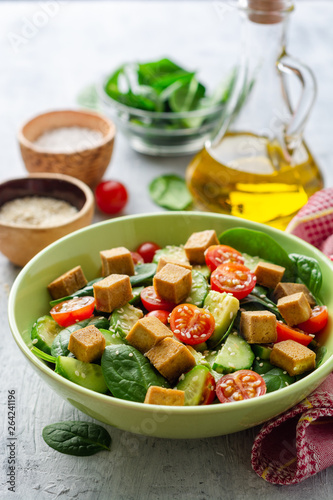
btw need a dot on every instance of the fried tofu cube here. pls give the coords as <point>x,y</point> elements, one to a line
<point>198,243</point>
<point>117,261</point>
<point>112,292</point>
<point>87,344</point>
<point>171,358</point>
<point>147,332</point>
<point>167,397</point>
<point>268,275</point>
<point>67,283</point>
<point>293,357</point>
<point>294,308</point>
<point>258,327</point>
<point>284,289</point>
<point>164,260</point>
<point>173,283</point>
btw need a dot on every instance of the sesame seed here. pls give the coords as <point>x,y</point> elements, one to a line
<point>35,341</point>
<point>284,372</point>
<point>189,299</point>
<point>231,315</point>
<point>77,373</point>
<point>213,352</point>
<point>130,354</point>
<point>195,378</point>
<point>176,331</point>
<point>286,383</point>
<point>257,358</point>
<point>83,375</point>
<point>232,354</point>
<point>117,352</point>
<point>262,295</point>
<point>182,376</point>
<point>261,364</point>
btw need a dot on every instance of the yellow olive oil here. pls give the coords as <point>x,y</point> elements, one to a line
<point>251,177</point>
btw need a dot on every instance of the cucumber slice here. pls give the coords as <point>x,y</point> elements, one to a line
<point>224,308</point>
<point>43,333</point>
<point>172,252</point>
<point>87,375</point>
<point>112,338</point>
<point>236,354</point>
<point>203,269</point>
<point>262,351</point>
<point>194,383</point>
<point>199,289</point>
<point>262,366</point>
<point>200,359</point>
<point>124,318</point>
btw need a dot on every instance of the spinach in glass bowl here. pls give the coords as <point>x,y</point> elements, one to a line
<point>163,108</point>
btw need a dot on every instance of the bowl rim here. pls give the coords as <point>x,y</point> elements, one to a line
<point>89,201</point>
<point>198,113</point>
<point>320,373</point>
<point>109,137</point>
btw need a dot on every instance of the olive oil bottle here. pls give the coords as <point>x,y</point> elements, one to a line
<point>258,166</point>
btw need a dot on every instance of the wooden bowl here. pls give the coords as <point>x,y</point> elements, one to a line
<point>87,165</point>
<point>19,243</point>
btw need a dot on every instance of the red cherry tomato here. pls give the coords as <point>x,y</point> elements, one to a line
<point>240,385</point>
<point>209,393</point>
<point>233,278</point>
<point>137,259</point>
<point>71,311</point>
<point>190,324</point>
<point>285,332</point>
<point>317,321</point>
<point>216,255</point>
<point>111,196</point>
<point>147,250</point>
<point>151,301</point>
<point>161,315</point>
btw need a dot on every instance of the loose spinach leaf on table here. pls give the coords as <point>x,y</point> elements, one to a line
<point>170,191</point>
<point>128,374</point>
<point>80,439</point>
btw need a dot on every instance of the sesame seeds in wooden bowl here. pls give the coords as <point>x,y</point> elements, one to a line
<point>37,210</point>
<point>75,143</point>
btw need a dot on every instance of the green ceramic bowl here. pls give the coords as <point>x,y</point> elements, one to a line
<point>29,299</point>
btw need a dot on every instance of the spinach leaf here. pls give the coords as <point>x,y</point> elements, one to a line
<point>257,243</point>
<point>80,439</point>
<point>262,366</point>
<point>60,343</point>
<point>149,73</point>
<point>259,302</point>
<point>170,191</point>
<point>83,292</point>
<point>128,374</point>
<point>308,271</point>
<point>320,355</point>
<point>276,379</point>
<point>143,274</point>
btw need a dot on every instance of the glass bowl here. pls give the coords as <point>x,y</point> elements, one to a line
<point>163,133</point>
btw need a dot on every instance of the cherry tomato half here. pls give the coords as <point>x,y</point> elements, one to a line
<point>71,311</point>
<point>137,259</point>
<point>240,385</point>
<point>147,250</point>
<point>233,278</point>
<point>111,196</point>
<point>209,393</point>
<point>190,324</point>
<point>285,332</point>
<point>216,255</point>
<point>161,315</point>
<point>317,321</point>
<point>151,301</point>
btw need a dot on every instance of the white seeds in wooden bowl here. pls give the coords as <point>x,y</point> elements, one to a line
<point>69,139</point>
<point>36,211</point>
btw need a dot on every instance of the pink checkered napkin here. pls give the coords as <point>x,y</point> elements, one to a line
<point>298,443</point>
<point>314,222</point>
